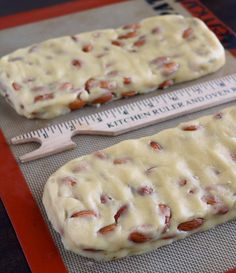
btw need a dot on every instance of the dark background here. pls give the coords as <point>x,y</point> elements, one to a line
<point>12,259</point>
<point>224,9</point>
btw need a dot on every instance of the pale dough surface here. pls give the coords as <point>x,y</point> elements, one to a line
<point>144,193</point>
<point>59,75</point>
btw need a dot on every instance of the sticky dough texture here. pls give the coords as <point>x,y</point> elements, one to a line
<point>59,75</point>
<point>144,193</point>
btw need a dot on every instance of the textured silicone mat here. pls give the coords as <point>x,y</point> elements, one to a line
<point>212,251</point>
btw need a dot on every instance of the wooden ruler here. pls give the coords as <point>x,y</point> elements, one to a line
<point>131,116</point>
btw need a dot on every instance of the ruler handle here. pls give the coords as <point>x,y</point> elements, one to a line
<point>54,144</point>
<point>48,147</point>
<point>45,150</point>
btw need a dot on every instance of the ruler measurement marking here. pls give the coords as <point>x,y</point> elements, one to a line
<point>156,99</point>
<point>96,115</point>
<point>131,107</point>
<point>163,99</point>
<point>118,110</point>
<point>45,132</point>
<point>80,123</point>
<point>143,103</point>
<point>102,115</point>
<point>73,123</point>
<point>186,91</point>
<point>86,120</point>
<point>169,96</point>
<point>93,118</point>
<point>115,110</point>
<point>82,119</point>
<point>65,123</point>
<point>149,103</point>
<point>113,114</point>
<point>70,123</point>
<point>99,117</point>
<point>230,79</point>
<point>138,106</point>
<point>59,128</point>
<point>108,113</point>
<point>181,93</point>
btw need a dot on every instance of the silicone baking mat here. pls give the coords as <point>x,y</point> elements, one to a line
<point>211,251</point>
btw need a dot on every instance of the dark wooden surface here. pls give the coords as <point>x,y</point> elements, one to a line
<point>224,9</point>
<point>12,259</point>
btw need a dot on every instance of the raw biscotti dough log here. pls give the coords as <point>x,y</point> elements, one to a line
<point>54,77</point>
<point>145,193</point>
